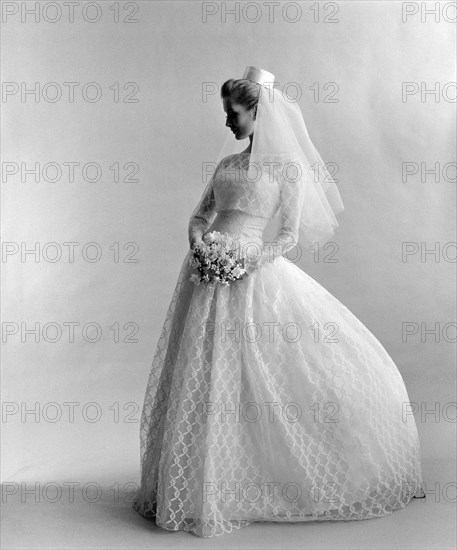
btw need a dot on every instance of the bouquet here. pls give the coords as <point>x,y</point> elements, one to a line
<point>215,260</point>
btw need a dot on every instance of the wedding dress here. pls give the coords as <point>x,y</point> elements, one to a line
<point>268,400</point>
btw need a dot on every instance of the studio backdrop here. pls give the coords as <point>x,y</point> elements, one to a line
<point>112,121</point>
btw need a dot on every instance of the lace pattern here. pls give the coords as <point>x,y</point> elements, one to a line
<point>268,400</point>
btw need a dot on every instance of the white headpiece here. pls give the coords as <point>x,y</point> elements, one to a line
<point>261,76</point>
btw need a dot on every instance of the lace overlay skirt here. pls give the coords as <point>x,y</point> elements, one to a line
<point>268,400</point>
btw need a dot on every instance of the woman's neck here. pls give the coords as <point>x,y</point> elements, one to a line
<point>248,150</point>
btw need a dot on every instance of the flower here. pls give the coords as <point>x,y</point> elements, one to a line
<point>212,236</point>
<point>194,262</point>
<point>237,272</point>
<point>216,261</point>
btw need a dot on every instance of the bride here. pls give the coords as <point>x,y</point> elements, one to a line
<point>254,409</point>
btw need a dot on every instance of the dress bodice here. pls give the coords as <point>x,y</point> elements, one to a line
<point>242,207</point>
<point>258,196</point>
<point>241,203</point>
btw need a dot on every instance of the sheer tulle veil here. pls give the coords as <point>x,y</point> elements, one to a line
<point>281,147</point>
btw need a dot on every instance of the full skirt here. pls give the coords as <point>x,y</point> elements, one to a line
<point>268,400</point>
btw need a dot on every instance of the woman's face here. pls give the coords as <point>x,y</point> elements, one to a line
<point>240,120</point>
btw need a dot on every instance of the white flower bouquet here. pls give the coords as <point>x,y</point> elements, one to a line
<point>215,260</point>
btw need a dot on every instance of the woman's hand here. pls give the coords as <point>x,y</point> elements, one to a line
<point>197,241</point>
<point>251,266</point>
<point>254,264</point>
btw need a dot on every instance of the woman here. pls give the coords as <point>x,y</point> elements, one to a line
<point>268,400</point>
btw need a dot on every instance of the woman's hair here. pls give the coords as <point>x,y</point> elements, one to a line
<point>244,92</point>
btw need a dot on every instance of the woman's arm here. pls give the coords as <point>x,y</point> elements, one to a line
<point>291,204</point>
<point>203,213</point>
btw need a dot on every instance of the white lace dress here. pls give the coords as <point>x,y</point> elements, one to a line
<point>268,400</point>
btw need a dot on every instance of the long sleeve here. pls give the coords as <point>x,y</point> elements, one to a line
<point>291,204</point>
<point>203,213</point>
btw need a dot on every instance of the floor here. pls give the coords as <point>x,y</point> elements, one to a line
<point>47,519</point>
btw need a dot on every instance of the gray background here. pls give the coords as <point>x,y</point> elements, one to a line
<point>170,53</point>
